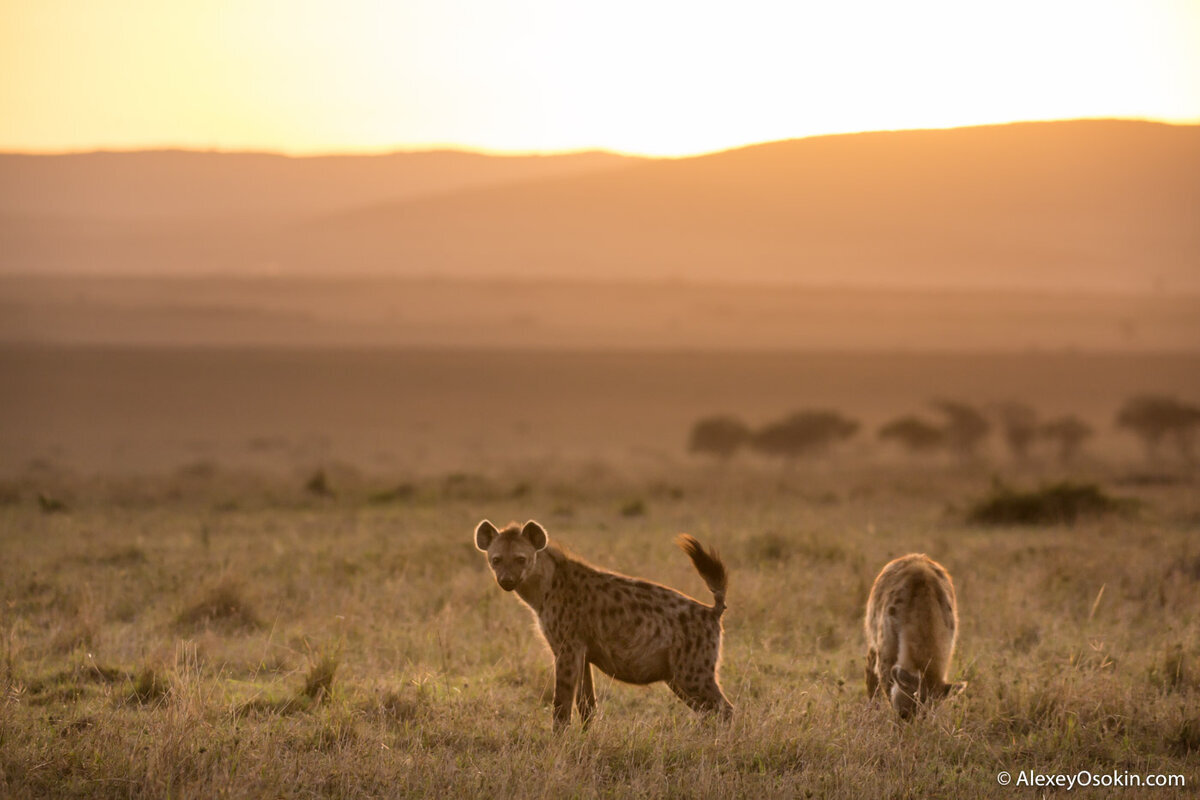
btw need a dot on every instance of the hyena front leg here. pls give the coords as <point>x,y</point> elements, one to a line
<point>569,663</point>
<point>585,698</point>
<point>872,675</point>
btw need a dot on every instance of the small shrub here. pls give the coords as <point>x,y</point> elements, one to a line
<point>318,485</point>
<point>222,606</point>
<point>1186,739</point>
<point>399,707</point>
<point>1188,566</point>
<point>317,689</point>
<point>804,433</point>
<point>123,557</point>
<point>634,508</point>
<point>1069,433</point>
<point>1019,427</point>
<point>318,684</point>
<point>1153,418</point>
<point>914,434</point>
<point>149,686</point>
<point>50,504</point>
<point>281,706</point>
<point>720,437</point>
<point>965,427</point>
<point>1055,504</point>
<point>766,547</point>
<point>1178,672</point>
<point>79,633</point>
<point>1027,639</point>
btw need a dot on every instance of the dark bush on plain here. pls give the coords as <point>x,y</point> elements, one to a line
<point>634,508</point>
<point>149,686</point>
<point>913,434</point>
<point>719,436</point>
<point>50,504</point>
<point>318,484</point>
<point>804,433</point>
<point>222,606</point>
<point>1068,433</point>
<point>318,684</point>
<point>1019,428</point>
<point>1154,418</point>
<point>1055,504</point>
<point>965,427</point>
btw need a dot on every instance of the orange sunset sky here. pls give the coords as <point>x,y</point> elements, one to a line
<point>639,76</point>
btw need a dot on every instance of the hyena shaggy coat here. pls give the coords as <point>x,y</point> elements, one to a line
<point>634,630</point>
<point>911,626</point>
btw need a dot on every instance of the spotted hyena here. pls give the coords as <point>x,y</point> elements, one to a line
<point>911,625</point>
<point>634,630</point>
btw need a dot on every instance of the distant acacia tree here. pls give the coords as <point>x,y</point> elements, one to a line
<point>1019,427</point>
<point>718,436</point>
<point>965,427</point>
<point>914,434</point>
<point>1154,418</point>
<point>804,433</point>
<point>318,484</point>
<point>1069,433</point>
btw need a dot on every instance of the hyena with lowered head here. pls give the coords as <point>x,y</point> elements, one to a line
<point>634,630</point>
<point>911,626</point>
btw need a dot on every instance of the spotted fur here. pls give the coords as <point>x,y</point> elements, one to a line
<point>634,630</point>
<point>911,626</point>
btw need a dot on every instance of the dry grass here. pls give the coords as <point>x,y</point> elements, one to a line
<point>353,648</point>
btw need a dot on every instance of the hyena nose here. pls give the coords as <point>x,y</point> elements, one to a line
<point>507,584</point>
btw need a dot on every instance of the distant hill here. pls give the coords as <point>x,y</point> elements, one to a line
<point>179,185</point>
<point>1081,205</point>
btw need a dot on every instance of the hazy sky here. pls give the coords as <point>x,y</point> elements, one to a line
<point>662,77</point>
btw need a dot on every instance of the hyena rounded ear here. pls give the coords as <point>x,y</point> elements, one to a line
<point>484,533</point>
<point>536,534</point>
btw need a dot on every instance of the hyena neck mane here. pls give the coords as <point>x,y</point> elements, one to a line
<point>535,586</point>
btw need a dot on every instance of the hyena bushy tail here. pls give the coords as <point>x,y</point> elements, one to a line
<point>710,567</point>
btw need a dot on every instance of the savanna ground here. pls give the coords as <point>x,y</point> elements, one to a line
<point>219,629</point>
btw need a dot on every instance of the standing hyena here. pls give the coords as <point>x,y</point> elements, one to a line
<point>911,624</point>
<point>636,631</point>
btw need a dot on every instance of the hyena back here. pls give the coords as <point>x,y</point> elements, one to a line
<point>636,631</point>
<point>911,626</point>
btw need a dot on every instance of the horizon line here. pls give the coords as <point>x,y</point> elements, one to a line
<point>591,282</point>
<point>430,148</point>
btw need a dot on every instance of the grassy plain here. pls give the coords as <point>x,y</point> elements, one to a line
<point>218,630</point>
<point>205,637</point>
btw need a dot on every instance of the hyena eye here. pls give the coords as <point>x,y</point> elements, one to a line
<point>521,561</point>
<point>496,560</point>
